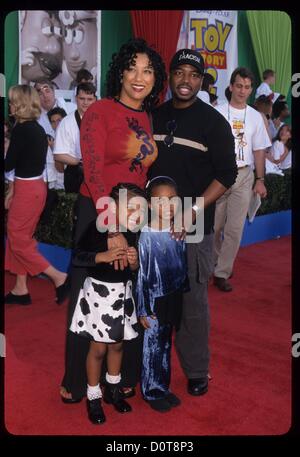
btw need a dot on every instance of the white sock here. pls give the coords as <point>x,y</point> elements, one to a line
<point>94,392</point>
<point>113,379</point>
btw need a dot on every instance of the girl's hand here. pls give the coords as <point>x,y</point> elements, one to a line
<point>132,256</point>
<point>144,321</point>
<point>119,241</point>
<point>113,254</point>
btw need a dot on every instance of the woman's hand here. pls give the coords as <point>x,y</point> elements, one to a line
<point>144,321</point>
<point>132,257</point>
<point>119,241</point>
<point>7,201</point>
<point>9,195</point>
<point>113,254</point>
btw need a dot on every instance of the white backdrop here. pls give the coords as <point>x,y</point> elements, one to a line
<point>214,34</point>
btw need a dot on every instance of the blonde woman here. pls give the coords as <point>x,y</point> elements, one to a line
<point>27,156</point>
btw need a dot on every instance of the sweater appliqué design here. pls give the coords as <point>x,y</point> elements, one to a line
<point>147,150</point>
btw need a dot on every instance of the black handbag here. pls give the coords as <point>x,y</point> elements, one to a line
<point>73,174</point>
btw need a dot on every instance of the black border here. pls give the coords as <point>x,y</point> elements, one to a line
<point>97,444</point>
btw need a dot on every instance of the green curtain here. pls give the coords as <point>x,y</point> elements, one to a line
<point>271,37</point>
<point>246,56</point>
<point>116,29</point>
<point>11,55</point>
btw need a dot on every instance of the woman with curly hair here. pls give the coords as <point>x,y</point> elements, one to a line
<point>116,145</point>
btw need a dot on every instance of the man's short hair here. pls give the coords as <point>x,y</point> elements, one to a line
<point>268,73</point>
<point>56,110</point>
<point>88,88</point>
<point>278,107</point>
<point>243,72</point>
<point>44,81</point>
<point>83,74</point>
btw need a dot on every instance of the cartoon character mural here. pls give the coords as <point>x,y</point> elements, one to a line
<point>57,44</point>
<point>41,49</point>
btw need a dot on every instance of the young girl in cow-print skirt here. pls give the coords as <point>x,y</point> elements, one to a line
<point>105,311</point>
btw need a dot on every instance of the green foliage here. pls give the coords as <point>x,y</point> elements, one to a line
<point>279,193</point>
<point>60,229</point>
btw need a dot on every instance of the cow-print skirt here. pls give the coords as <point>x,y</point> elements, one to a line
<point>105,312</point>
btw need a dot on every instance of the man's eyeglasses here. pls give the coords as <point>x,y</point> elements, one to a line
<point>171,127</point>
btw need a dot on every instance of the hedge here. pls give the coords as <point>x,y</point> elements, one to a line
<point>60,229</point>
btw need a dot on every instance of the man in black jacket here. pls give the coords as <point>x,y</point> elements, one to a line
<point>196,149</point>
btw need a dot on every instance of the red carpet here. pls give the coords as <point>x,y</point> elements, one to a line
<point>250,393</point>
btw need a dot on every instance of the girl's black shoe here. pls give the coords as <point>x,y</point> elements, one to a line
<point>114,396</point>
<point>12,299</point>
<point>62,291</point>
<point>95,411</point>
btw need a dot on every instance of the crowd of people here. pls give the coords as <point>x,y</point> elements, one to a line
<point>128,289</point>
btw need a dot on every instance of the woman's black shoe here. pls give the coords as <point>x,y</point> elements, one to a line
<point>70,401</point>
<point>129,393</point>
<point>62,291</point>
<point>95,411</point>
<point>12,299</point>
<point>113,395</point>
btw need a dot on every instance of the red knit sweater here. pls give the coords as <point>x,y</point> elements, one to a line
<point>116,145</point>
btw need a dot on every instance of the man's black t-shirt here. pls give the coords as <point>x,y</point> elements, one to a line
<point>203,150</point>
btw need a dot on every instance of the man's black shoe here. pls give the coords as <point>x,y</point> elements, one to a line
<point>222,284</point>
<point>198,386</point>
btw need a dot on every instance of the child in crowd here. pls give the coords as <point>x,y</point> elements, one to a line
<point>105,311</point>
<point>281,148</point>
<point>264,88</point>
<point>206,87</point>
<point>280,113</point>
<point>160,282</point>
<point>55,116</point>
<point>279,156</point>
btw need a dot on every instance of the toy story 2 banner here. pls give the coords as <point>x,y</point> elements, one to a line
<point>214,34</point>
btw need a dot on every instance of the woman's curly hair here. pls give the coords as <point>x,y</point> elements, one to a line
<point>124,58</point>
